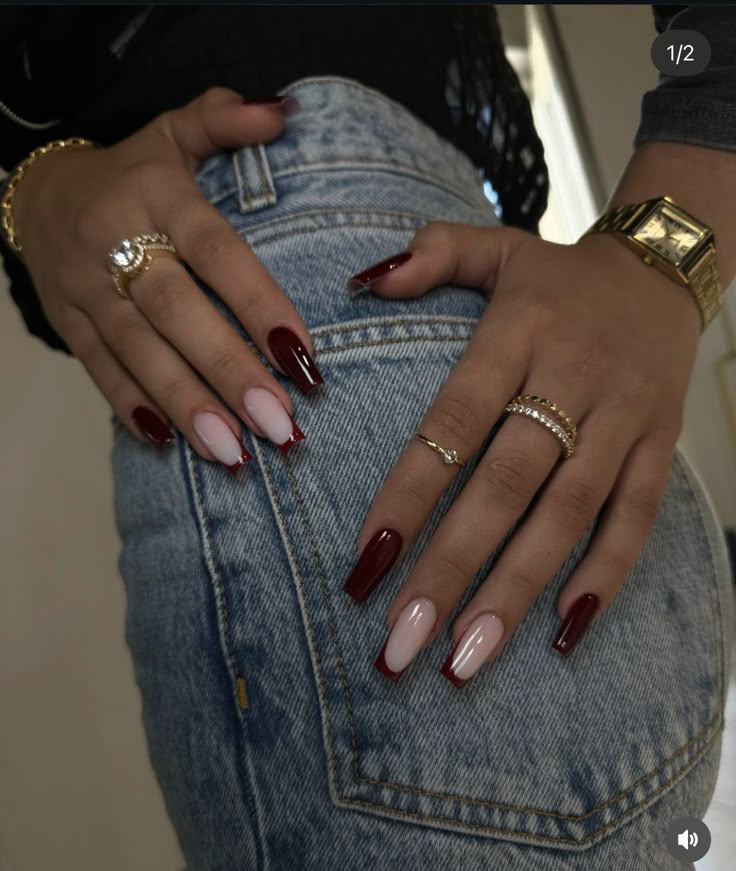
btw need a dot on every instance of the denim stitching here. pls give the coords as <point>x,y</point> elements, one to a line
<point>242,186</point>
<point>541,839</point>
<point>695,494</point>
<point>257,154</point>
<point>278,222</point>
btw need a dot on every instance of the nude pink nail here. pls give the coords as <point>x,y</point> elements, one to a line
<point>271,416</point>
<point>473,649</point>
<point>412,628</point>
<point>220,440</point>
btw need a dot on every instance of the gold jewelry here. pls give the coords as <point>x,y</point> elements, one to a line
<point>132,257</point>
<point>449,455</point>
<point>674,242</point>
<point>562,434</point>
<point>555,409</point>
<point>6,203</point>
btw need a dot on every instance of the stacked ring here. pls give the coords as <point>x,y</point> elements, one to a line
<point>565,432</point>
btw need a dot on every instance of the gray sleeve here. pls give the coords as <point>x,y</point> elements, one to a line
<point>700,109</point>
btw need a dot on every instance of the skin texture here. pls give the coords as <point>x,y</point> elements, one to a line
<point>73,206</point>
<point>588,326</point>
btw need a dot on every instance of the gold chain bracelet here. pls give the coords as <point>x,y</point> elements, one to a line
<point>6,203</point>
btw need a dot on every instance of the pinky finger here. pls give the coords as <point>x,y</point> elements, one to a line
<point>626,521</point>
<point>135,408</point>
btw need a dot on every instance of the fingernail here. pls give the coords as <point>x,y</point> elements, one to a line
<point>476,644</point>
<point>374,562</point>
<point>271,416</point>
<point>366,279</point>
<point>412,628</point>
<point>152,426</point>
<point>286,103</point>
<point>575,623</point>
<point>220,440</point>
<point>294,359</point>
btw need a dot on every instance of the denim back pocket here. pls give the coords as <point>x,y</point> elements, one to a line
<point>535,748</point>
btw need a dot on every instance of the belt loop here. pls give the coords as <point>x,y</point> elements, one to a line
<point>256,189</point>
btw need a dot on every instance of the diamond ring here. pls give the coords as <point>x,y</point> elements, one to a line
<point>449,455</point>
<point>132,257</point>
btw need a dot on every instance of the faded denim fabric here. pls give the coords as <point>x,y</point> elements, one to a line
<point>277,744</point>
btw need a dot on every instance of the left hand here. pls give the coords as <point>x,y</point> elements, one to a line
<point>609,340</point>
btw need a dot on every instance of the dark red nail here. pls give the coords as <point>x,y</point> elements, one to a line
<point>296,436</point>
<point>370,276</point>
<point>380,664</point>
<point>376,559</point>
<point>575,623</point>
<point>287,104</point>
<point>152,426</point>
<point>245,457</point>
<point>294,359</point>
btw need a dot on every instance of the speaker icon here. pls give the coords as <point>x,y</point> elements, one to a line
<point>687,839</point>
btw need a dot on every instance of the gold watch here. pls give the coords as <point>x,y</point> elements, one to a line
<point>673,241</point>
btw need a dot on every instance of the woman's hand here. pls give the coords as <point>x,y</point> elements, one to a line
<point>589,327</point>
<point>147,354</point>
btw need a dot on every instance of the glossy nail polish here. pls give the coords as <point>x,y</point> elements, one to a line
<point>476,644</point>
<point>366,279</point>
<point>286,103</point>
<point>271,416</point>
<point>575,623</point>
<point>293,357</point>
<point>152,426</point>
<point>374,562</point>
<point>412,628</point>
<point>220,440</point>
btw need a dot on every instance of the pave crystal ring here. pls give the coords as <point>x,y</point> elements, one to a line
<point>132,257</point>
<point>561,426</point>
<point>449,455</point>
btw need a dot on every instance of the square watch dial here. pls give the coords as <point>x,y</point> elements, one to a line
<point>668,235</point>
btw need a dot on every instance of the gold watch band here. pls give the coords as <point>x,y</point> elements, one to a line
<point>702,278</point>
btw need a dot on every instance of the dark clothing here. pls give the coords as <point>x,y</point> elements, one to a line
<point>103,72</point>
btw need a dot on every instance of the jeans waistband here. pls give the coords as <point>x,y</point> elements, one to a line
<point>344,124</point>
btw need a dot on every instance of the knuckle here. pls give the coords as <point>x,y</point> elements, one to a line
<point>522,582</point>
<point>576,503</point>
<point>456,420</point>
<point>508,479</point>
<point>412,496</point>
<point>613,565</point>
<point>225,364</point>
<point>452,566</point>
<point>163,297</point>
<point>208,243</point>
<point>644,501</point>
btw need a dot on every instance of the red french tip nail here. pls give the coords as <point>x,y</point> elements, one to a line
<point>377,557</point>
<point>296,436</point>
<point>380,664</point>
<point>447,671</point>
<point>575,623</point>
<point>245,457</point>
<point>364,280</point>
<point>152,426</point>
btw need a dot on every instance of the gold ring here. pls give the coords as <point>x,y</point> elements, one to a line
<point>449,455</point>
<point>565,431</point>
<point>132,257</point>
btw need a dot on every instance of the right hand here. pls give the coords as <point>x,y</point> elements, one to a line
<point>74,205</point>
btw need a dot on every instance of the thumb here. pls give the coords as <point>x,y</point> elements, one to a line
<point>219,120</point>
<point>442,252</point>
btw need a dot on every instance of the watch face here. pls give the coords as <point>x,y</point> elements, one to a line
<point>668,235</point>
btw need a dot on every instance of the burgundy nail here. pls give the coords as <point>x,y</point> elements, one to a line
<point>370,276</point>
<point>294,359</point>
<point>296,436</point>
<point>575,623</point>
<point>152,426</point>
<point>380,664</point>
<point>287,104</point>
<point>376,559</point>
<point>245,457</point>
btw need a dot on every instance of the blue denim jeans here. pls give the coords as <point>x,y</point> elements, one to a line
<point>276,742</point>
